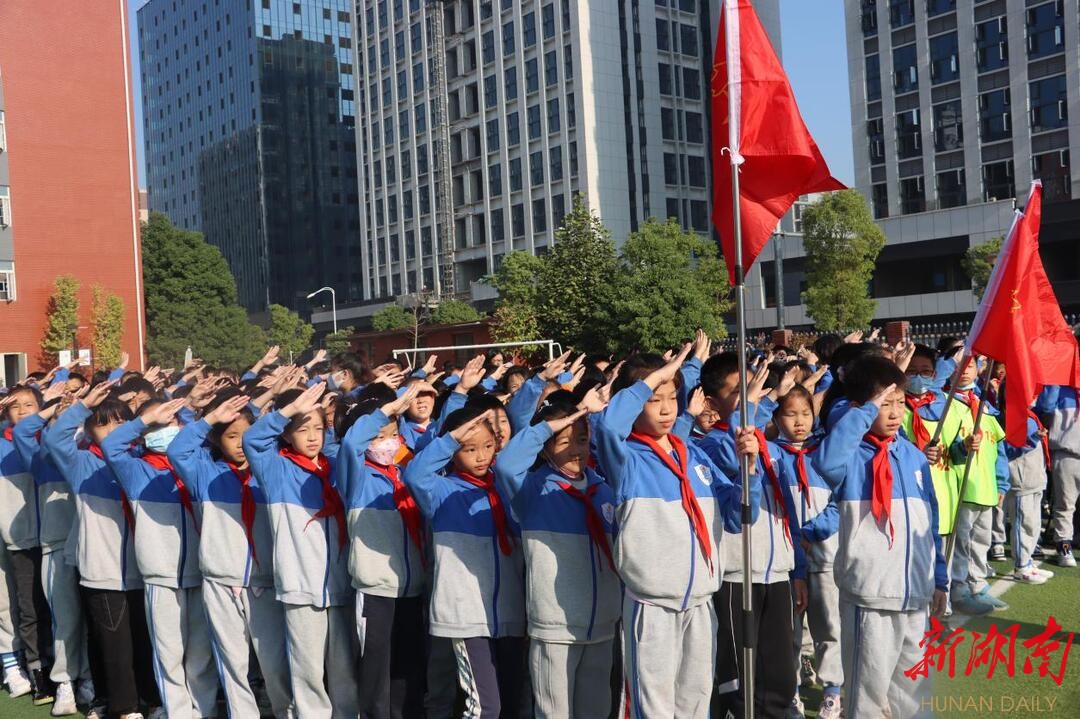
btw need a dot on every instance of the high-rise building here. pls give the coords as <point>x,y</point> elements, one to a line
<point>545,99</point>
<point>68,190</point>
<point>248,113</point>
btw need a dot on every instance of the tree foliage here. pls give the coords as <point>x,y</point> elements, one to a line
<point>842,244</point>
<point>671,282</point>
<point>62,318</point>
<point>978,263</point>
<point>392,317</point>
<point>191,300</point>
<point>666,283</point>
<point>288,330</point>
<point>454,312</point>
<point>338,342</point>
<point>107,320</point>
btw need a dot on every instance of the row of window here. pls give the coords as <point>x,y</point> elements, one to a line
<point>677,37</point>
<point>1044,23</point>
<point>679,81</point>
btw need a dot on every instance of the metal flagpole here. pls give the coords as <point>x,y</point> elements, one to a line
<point>731,41</point>
<point>950,542</point>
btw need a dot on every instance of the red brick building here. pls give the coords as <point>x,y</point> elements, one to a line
<point>69,196</point>
<point>376,347</point>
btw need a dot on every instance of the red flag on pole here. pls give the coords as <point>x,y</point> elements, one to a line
<point>767,137</point>
<point>1019,322</point>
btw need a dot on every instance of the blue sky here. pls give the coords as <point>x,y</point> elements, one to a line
<point>815,57</point>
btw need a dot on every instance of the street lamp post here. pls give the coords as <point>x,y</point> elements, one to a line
<point>333,302</point>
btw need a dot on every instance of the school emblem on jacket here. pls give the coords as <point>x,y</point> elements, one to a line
<point>608,510</point>
<point>919,479</point>
<point>704,475</point>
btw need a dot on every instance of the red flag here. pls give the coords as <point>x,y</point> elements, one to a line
<point>1019,322</point>
<point>767,137</point>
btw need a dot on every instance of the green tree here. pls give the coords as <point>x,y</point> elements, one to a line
<point>670,282</point>
<point>515,312</point>
<point>574,281</point>
<point>978,263</point>
<point>338,342</point>
<point>62,319</point>
<point>842,244</point>
<point>454,312</point>
<point>107,320</point>
<point>191,300</point>
<point>392,317</point>
<point>288,331</point>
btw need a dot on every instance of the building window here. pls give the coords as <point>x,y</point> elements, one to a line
<point>694,132</point>
<point>3,133</point>
<point>691,83</point>
<point>553,115</point>
<point>536,168</point>
<point>5,206</point>
<point>487,45</point>
<point>1046,29</point>
<point>551,68</point>
<point>667,123</point>
<point>513,130</point>
<point>515,174</point>
<point>491,93</point>
<point>517,220</point>
<point>663,36</point>
<point>498,229</point>
<point>558,210</point>
<point>665,78</point>
<point>908,134</point>
<point>951,189</point>
<point>556,164</point>
<point>875,135</point>
<point>510,83</point>
<point>901,13</point>
<point>912,195</point>
<point>880,200</point>
<point>688,40</point>
<point>421,117</point>
<point>995,122</point>
<point>998,181</point>
<point>508,39</point>
<point>493,135</point>
<point>549,21</point>
<point>873,77</point>
<point>532,76</point>
<point>1048,108</point>
<point>695,165</point>
<point>534,122</point>
<point>944,64</point>
<point>992,44</point>
<point>948,127</point>
<point>869,17</point>
<point>495,180</point>
<point>671,168</point>
<point>938,7</point>
<point>905,73</point>
<point>7,282</point>
<point>1053,169</point>
<point>539,215</point>
<point>528,22</point>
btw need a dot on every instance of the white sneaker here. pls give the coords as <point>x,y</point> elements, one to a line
<point>831,707</point>
<point>1029,576</point>
<point>18,683</point>
<point>1045,572</point>
<point>1065,556</point>
<point>133,715</point>
<point>796,710</point>
<point>85,694</point>
<point>97,711</point>
<point>64,701</point>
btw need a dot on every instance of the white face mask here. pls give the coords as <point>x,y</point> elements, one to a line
<point>383,451</point>
<point>160,439</point>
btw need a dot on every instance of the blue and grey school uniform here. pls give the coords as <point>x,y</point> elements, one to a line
<point>54,505</point>
<point>477,590</point>
<point>819,520</point>
<point>1023,503</point>
<point>19,504</point>
<point>383,559</point>
<point>415,437</point>
<point>1064,436</point>
<point>105,548</point>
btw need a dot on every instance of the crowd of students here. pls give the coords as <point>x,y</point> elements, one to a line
<point>494,540</point>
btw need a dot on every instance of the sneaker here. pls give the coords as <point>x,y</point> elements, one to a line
<point>831,707</point>
<point>997,552</point>
<point>18,683</point>
<point>796,710</point>
<point>85,694</point>
<point>64,702</point>
<point>132,715</point>
<point>1038,553</point>
<point>1029,576</point>
<point>1065,556</point>
<point>974,605</point>
<point>98,711</point>
<point>41,687</point>
<point>807,673</point>
<point>1045,572</point>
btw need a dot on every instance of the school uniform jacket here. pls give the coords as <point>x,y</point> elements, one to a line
<point>167,540</point>
<point>383,559</point>
<point>53,503</point>
<point>656,550</point>
<point>225,555</point>
<point>309,563</point>
<point>105,550</point>
<point>1064,427</point>
<point>573,594</point>
<point>819,520</point>
<point>19,509</point>
<point>870,571</point>
<point>477,591</point>
<point>1027,464</point>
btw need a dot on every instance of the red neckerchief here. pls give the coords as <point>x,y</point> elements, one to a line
<point>689,500</point>
<point>800,467</point>
<point>774,480</point>
<point>1045,439</point>
<point>418,428</point>
<point>332,504</point>
<point>125,503</point>
<point>593,523</point>
<point>247,505</point>
<point>918,427</point>
<point>722,426</point>
<point>972,400</point>
<point>498,513</point>
<point>405,504</point>
<point>8,432</point>
<point>160,462</point>
<point>881,493</point>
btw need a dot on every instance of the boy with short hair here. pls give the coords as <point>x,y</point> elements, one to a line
<point>889,565</point>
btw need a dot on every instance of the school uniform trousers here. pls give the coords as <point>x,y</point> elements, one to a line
<point>60,582</point>
<point>10,641</point>
<point>183,660</point>
<point>323,640</point>
<point>974,527</point>
<point>392,657</point>
<point>1066,493</point>
<point>561,674</point>
<point>34,622</point>
<point>1024,512</point>
<point>246,620</point>
<point>823,622</point>
<point>491,671</point>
